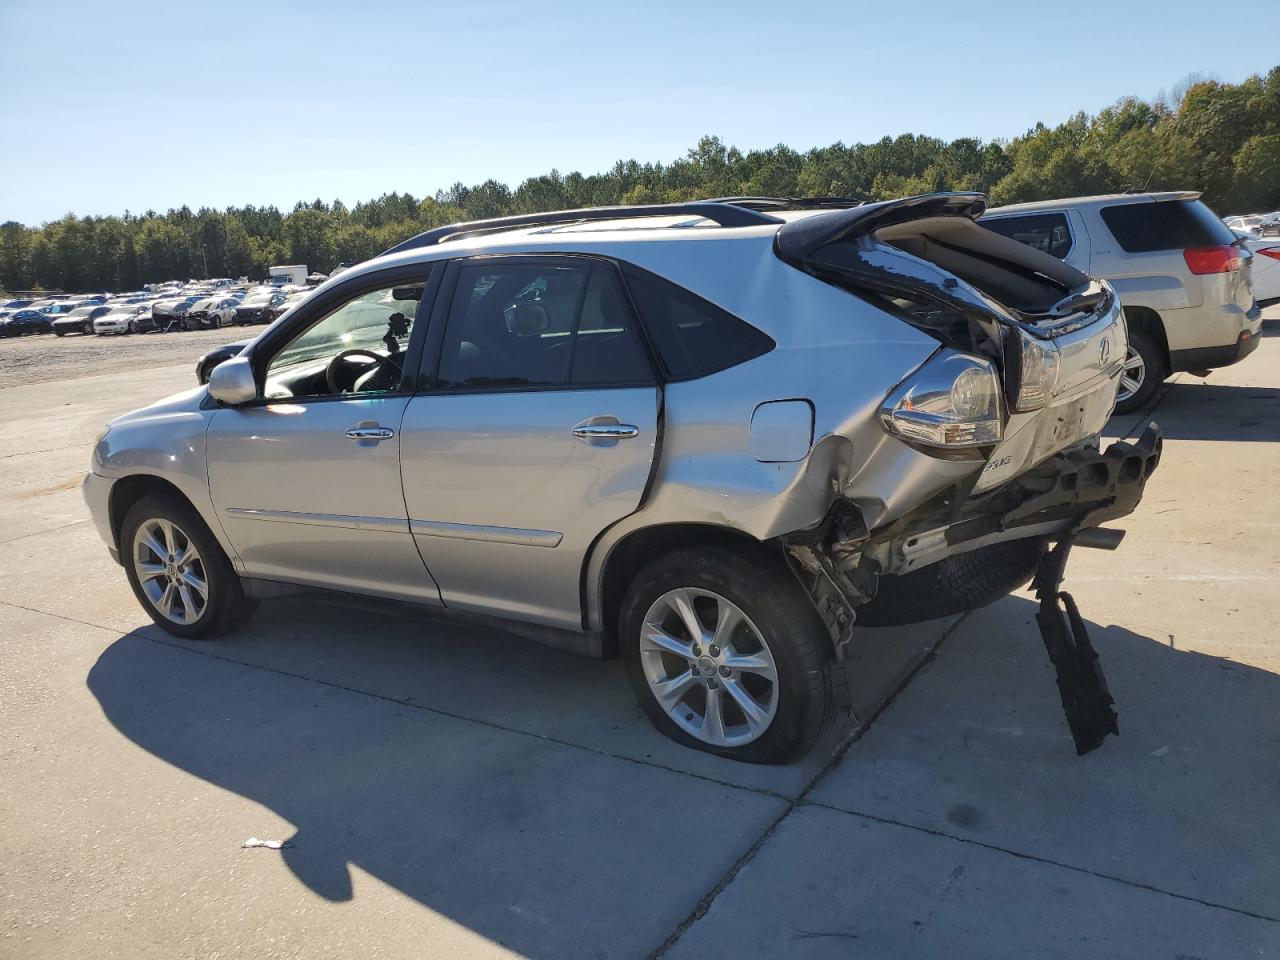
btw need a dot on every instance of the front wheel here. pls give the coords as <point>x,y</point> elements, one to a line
<point>178,570</point>
<point>726,655</point>
<point>59,333</point>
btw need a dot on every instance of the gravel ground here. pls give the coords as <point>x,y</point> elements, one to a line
<point>41,357</point>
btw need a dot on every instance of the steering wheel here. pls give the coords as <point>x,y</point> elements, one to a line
<point>331,371</point>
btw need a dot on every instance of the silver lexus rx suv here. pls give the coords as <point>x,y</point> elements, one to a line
<point>710,437</point>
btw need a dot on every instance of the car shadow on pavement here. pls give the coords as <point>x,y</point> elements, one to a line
<point>532,842</point>
<point>1182,800</point>
<point>1194,409</point>
<point>548,848</point>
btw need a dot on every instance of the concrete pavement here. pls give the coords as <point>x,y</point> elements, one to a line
<point>454,791</point>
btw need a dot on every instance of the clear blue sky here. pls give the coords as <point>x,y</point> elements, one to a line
<point>133,105</point>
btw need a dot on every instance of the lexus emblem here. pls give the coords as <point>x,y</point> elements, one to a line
<point>1104,351</point>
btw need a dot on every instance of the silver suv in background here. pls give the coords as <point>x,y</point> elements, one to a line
<point>1181,274</point>
<point>707,436</point>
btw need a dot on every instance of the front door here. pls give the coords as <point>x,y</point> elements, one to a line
<point>538,432</point>
<point>306,481</point>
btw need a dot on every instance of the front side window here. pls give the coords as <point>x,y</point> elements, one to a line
<point>517,325</point>
<point>1047,232</point>
<point>356,348</point>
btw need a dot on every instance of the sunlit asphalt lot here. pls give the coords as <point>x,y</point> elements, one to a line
<point>457,792</point>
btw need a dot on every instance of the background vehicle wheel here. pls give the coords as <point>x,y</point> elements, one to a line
<point>215,322</point>
<point>87,328</point>
<point>963,582</point>
<point>1144,371</point>
<point>178,571</point>
<point>132,328</point>
<point>59,333</point>
<point>727,655</point>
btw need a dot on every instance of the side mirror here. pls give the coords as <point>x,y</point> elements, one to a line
<point>232,382</point>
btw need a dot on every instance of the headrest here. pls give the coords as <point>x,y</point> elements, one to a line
<point>527,319</point>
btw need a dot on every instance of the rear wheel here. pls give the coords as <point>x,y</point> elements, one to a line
<point>726,655</point>
<point>59,333</point>
<point>178,571</point>
<point>1144,371</point>
<point>87,328</point>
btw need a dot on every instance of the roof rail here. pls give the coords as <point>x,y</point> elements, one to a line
<point>725,214</point>
<point>792,203</point>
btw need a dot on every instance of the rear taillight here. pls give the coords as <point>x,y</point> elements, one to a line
<point>1223,259</point>
<point>1272,252</point>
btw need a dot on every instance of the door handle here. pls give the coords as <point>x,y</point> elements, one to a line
<point>370,434</point>
<point>604,431</point>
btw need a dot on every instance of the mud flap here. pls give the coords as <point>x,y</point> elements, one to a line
<point>1086,701</point>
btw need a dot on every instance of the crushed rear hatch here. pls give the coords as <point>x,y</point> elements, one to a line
<point>1056,334</point>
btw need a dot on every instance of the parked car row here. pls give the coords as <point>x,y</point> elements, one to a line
<point>1256,224</point>
<point>168,307</point>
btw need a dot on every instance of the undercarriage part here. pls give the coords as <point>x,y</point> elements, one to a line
<point>1086,700</point>
<point>955,584</point>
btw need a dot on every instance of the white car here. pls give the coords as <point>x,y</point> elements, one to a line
<point>1266,268</point>
<point>1248,223</point>
<point>115,322</point>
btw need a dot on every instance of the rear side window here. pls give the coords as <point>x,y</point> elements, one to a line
<point>693,337</point>
<point>1165,225</point>
<point>1047,232</point>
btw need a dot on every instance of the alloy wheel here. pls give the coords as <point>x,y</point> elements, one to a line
<point>1132,376</point>
<point>709,667</point>
<point>170,571</point>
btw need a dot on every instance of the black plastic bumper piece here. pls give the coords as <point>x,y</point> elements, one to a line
<point>1112,483</point>
<point>1086,699</point>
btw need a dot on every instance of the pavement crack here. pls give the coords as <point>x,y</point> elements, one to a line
<point>706,901</point>
<point>1137,885</point>
<point>40,533</point>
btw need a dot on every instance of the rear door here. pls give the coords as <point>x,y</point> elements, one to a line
<point>537,431</point>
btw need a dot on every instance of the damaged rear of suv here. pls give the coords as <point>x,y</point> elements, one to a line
<point>712,436</point>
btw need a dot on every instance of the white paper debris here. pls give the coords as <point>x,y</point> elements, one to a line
<point>269,844</point>
<point>1163,751</point>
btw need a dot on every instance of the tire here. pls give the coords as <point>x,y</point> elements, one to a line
<point>781,630</point>
<point>87,329</point>
<point>224,606</point>
<point>954,585</point>
<point>59,333</point>
<point>215,322</point>
<point>132,328</point>
<point>1144,363</point>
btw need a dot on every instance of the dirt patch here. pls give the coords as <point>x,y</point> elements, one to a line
<point>42,357</point>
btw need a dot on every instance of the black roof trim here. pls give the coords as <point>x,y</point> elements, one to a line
<point>724,214</point>
<point>800,239</point>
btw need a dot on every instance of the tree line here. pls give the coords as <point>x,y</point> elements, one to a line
<point>1220,138</point>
